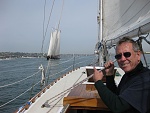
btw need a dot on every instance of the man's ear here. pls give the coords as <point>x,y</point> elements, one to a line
<point>139,55</point>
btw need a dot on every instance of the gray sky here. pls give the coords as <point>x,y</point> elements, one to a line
<point>21,25</point>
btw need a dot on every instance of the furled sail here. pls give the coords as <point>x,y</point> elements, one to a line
<point>124,18</point>
<point>54,46</point>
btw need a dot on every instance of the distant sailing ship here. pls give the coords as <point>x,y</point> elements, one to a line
<point>54,45</point>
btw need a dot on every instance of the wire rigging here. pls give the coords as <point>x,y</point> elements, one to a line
<point>19,80</point>
<point>43,27</point>
<point>49,101</point>
<point>30,89</point>
<point>139,42</point>
<point>17,96</point>
<point>60,95</point>
<point>61,14</point>
<point>44,34</point>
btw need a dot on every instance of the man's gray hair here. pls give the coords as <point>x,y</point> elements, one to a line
<point>128,39</point>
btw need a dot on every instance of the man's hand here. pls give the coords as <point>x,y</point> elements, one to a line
<point>98,75</point>
<point>109,68</point>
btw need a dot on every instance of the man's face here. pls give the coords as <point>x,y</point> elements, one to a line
<point>127,62</point>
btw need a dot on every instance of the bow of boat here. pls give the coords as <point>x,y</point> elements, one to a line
<point>69,92</point>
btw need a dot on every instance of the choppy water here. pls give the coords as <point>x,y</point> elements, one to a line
<point>15,70</point>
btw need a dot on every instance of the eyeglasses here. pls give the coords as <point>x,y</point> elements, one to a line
<point>126,54</point>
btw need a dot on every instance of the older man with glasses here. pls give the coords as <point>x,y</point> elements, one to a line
<point>132,95</point>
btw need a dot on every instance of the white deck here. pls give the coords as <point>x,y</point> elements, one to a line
<point>61,85</point>
<point>55,105</point>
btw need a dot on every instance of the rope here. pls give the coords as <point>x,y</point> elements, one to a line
<point>63,63</point>
<point>67,90</point>
<point>61,14</point>
<point>139,42</point>
<point>81,62</point>
<point>67,68</point>
<point>60,95</point>
<point>19,80</point>
<point>147,40</point>
<point>44,34</point>
<point>60,71</point>
<point>17,96</point>
<point>35,84</point>
<point>47,78</point>
<point>43,28</point>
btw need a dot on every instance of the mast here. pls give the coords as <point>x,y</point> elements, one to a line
<point>101,51</point>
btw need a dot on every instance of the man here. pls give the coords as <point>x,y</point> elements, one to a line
<point>133,92</point>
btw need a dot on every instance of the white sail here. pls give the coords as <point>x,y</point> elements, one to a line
<point>124,18</point>
<point>54,46</point>
<point>50,45</point>
<point>57,49</point>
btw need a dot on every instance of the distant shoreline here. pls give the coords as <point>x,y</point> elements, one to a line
<point>11,55</point>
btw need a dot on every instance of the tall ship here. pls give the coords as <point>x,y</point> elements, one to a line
<point>54,45</point>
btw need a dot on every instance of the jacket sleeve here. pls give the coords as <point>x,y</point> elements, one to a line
<point>110,83</point>
<point>115,103</point>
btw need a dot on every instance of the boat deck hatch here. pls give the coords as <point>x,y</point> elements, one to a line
<point>84,96</point>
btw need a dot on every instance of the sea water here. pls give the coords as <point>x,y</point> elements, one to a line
<point>20,74</point>
<point>14,71</point>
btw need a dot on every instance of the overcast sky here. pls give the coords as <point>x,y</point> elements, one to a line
<point>21,25</point>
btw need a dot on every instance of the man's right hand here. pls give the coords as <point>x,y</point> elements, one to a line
<point>109,68</point>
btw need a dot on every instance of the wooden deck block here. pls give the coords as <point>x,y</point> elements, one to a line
<point>85,96</point>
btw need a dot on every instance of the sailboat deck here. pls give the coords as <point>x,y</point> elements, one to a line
<point>85,96</point>
<point>57,96</point>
